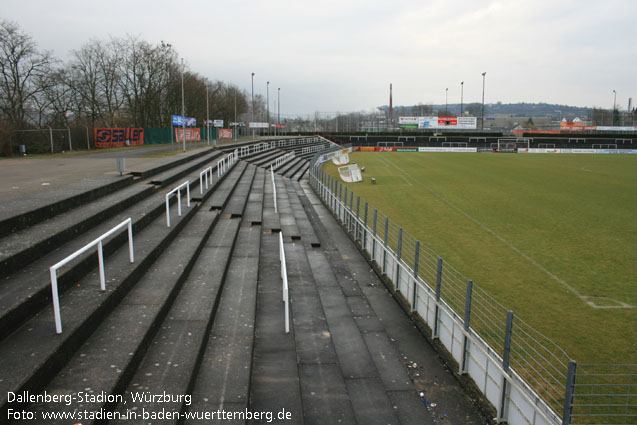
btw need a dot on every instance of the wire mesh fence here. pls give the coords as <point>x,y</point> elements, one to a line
<point>605,394</point>
<point>591,394</point>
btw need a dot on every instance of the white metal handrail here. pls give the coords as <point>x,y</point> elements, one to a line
<point>283,159</point>
<point>100,255</point>
<point>284,279</point>
<point>206,172</point>
<point>274,190</point>
<point>185,184</point>
<point>221,167</point>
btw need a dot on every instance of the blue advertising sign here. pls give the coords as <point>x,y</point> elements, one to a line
<point>179,120</point>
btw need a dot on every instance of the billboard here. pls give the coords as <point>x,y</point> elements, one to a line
<point>259,125</point>
<point>115,137</point>
<point>192,134</point>
<point>218,123</point>
<point>179,120</point>
<point>224,134</point>
<point>438,122</point>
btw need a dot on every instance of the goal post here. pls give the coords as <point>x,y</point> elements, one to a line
<point>350,173</point>
<point>513,145</point>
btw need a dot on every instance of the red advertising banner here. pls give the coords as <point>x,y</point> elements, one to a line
<point>224,133</point>
<point>192,134</point>
<point>115,137</point>
<point>443,121</point>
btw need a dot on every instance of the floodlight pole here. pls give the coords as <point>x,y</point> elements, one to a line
<point>483,77</point>
<point>207,118</point>
<point>461,95</point>
<point>446,103</point>
<point>268,104</point>
<point>614,106</point>
<point>183,106</point>
<point>253,104</point>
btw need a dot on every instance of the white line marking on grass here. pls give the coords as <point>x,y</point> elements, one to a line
<point>588,300</point>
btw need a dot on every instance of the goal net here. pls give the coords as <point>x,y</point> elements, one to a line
<point>350,173</point>
<point>512,145</point>
<point>341,159</point>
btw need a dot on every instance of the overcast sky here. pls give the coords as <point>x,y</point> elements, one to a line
<point>341,55</point>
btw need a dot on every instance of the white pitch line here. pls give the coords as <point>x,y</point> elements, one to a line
<point>510,245</point>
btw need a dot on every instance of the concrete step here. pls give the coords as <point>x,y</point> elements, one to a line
<point>25,292</point>
<point>224,190</point>
<point>286,216</point>
<point>285,168</point>
<point>223,381</point>
<point>28,244</point>
<point>301,171</point>
<point>271,221</point>
<point>303,224</point>
<point>37,207</point>
<point>136,327</point>
<point>239,198</point>
<point>253,214</point>
<point>209,158</point>
<point>266,160</point>
<point>31,356</point>
<point>146,172</point>
<point>275,383</point>
<point>295,168</point>
<point>264,157</point>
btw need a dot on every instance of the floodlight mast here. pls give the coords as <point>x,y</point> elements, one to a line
<point>482,125</point>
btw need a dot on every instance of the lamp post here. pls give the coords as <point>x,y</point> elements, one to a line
<point>614,106</point>
<point>253,103</point>
<point>461,95</point>
<point>183,107</point>
<point>235,114</point>
<point>446,107</point>
<point>207,118</point>
<point>278,105</point>
<point>483,78</point>
<point>267,99</point>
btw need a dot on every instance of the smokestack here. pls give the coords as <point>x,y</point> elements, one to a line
<point>391,110</point>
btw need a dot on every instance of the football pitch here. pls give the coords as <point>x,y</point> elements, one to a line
<point>552,237</point>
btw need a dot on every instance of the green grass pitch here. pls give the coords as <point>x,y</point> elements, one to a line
<point>552,237</point>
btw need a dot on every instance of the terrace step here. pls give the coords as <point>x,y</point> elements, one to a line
<point>28,244</point>
<point>25,212</point>
<point>33,354</point>
<point>176,173</point>
<point>108,359</point>
<point>149,243</point>
<point>25,292</point>
<point>145,172</point>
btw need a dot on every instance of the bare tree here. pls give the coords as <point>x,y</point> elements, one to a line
<point>23,72</point>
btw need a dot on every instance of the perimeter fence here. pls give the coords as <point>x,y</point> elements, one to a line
<point>527,377</point>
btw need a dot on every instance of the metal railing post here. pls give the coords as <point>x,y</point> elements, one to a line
<point>414,303</point>
<point>358,207</point>
<point>365,227</point>
<point>345,205</point>
<point>398,258</point>
<point>385,244</point>
<point>506,355</point>
<point>351,211</point>
<point>569,392</point>
<point>340,197</point>
<point>438,290</point>
<point>467,324</point>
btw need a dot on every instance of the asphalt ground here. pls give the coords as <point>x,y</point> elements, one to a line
<point>23,176</point>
